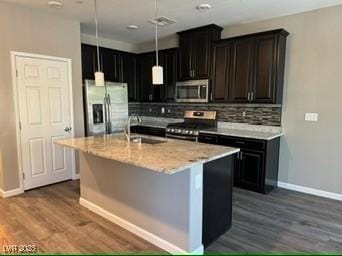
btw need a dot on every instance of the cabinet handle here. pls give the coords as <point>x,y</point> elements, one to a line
<point>241,155</point>
<point>248,96</point>
<point>252,96</point>
<point>211,97</point>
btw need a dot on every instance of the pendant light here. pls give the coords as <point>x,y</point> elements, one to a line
<point>157,71</point>
<point>99,75</point>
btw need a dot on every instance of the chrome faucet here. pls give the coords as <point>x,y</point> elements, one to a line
<point>127,130</point>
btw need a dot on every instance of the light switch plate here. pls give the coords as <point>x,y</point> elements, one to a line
<point>311,117</point>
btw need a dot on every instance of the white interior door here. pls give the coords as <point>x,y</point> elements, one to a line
<point>45,115</point>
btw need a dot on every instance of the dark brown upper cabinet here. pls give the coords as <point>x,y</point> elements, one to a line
<point>242,68</point>
<point>117,66</point>
<point>147,61</point>
<point>129,75</point>
<point>158,93</point>
<point>268,76</point>
<point>89,61</point>
<point>250,68</point>
<point>111,62</point>
<point>221,71</point>
<point>195,52</point>
<point>170,74</point>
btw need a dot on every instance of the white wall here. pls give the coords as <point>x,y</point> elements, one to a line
<point>26,30</point>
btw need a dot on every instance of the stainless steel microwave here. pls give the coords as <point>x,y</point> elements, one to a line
<point>192,91</point>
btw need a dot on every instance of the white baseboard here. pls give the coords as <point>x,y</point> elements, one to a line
<point>311,191</point>
<point>76,176</point>
<point>144,234</point>
<point>10,193</point>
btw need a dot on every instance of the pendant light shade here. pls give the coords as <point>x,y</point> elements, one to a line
<point>99,75</point>
<point>157,71</point>
<point>157,75</point>
<point>99,79</point>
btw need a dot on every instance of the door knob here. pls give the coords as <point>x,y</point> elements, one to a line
<point>67,129</point>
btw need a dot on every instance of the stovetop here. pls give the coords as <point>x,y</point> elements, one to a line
<point>194,121</point>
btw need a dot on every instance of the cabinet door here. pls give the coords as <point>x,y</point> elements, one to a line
<point>241,70</point>
<point>129,75</point>
<point>185,57</point>
<point>250,169</point>
<point>146,64</point>
<point>265,69</point>
<point>111,65</point>
<point>208,138</point>
<point>89,65</point>
<point>221,72</point>
<point>201,54</point>
<point>170,74</point>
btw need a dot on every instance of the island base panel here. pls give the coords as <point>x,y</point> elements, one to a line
<point>217,198</point>
<point>164,209</point>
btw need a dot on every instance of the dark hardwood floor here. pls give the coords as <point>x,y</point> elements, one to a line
<point>283,221</point>
<point>51,218</point>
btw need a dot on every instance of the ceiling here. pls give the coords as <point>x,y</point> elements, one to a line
<point>115,15</point>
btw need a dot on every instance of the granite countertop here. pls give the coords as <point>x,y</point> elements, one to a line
<point>261,135</point>
<point>169,157</point>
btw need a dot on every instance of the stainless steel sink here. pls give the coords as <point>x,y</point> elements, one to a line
<point>144,140</point>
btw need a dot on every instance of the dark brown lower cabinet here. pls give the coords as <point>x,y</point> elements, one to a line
<point>256,165</point>
<point>146,130</point>
<point>248,166</point>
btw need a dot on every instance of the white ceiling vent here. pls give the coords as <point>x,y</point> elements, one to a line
<point>162,21</point>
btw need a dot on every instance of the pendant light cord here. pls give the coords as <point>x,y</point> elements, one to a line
<point>97,37</point>
<point>156,19</point>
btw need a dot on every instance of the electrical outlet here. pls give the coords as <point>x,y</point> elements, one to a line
<point>168,110</point>
<point>150,110</point>
<point>244,113</point>
<point>163,110</point>
<point>311,117</point>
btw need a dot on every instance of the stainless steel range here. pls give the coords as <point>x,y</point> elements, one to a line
<point>194,121</point>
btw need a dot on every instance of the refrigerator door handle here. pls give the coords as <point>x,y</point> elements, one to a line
<point>105,113</point>
<point>109,106</point>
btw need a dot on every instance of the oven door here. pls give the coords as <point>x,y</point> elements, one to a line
<point>182,137</point>
<point>192,91</point>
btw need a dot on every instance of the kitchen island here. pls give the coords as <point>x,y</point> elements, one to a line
<point>175,194</point>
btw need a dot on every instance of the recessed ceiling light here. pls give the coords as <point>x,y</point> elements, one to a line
<point>55,4</point>
<point>203,7</point>
<point>132,27</point>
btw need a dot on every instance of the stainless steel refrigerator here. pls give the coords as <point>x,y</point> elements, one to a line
<point>106,108</point>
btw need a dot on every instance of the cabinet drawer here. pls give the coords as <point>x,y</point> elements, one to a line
<point>208,138</point>
<point>242,143</point>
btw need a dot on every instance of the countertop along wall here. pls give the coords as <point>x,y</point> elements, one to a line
<point>310,152</point>
<point>26,30</point>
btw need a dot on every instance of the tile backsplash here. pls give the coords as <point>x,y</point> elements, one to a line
<point>235,113</point>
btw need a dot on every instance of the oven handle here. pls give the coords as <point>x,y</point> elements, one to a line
<point>171,136</point>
